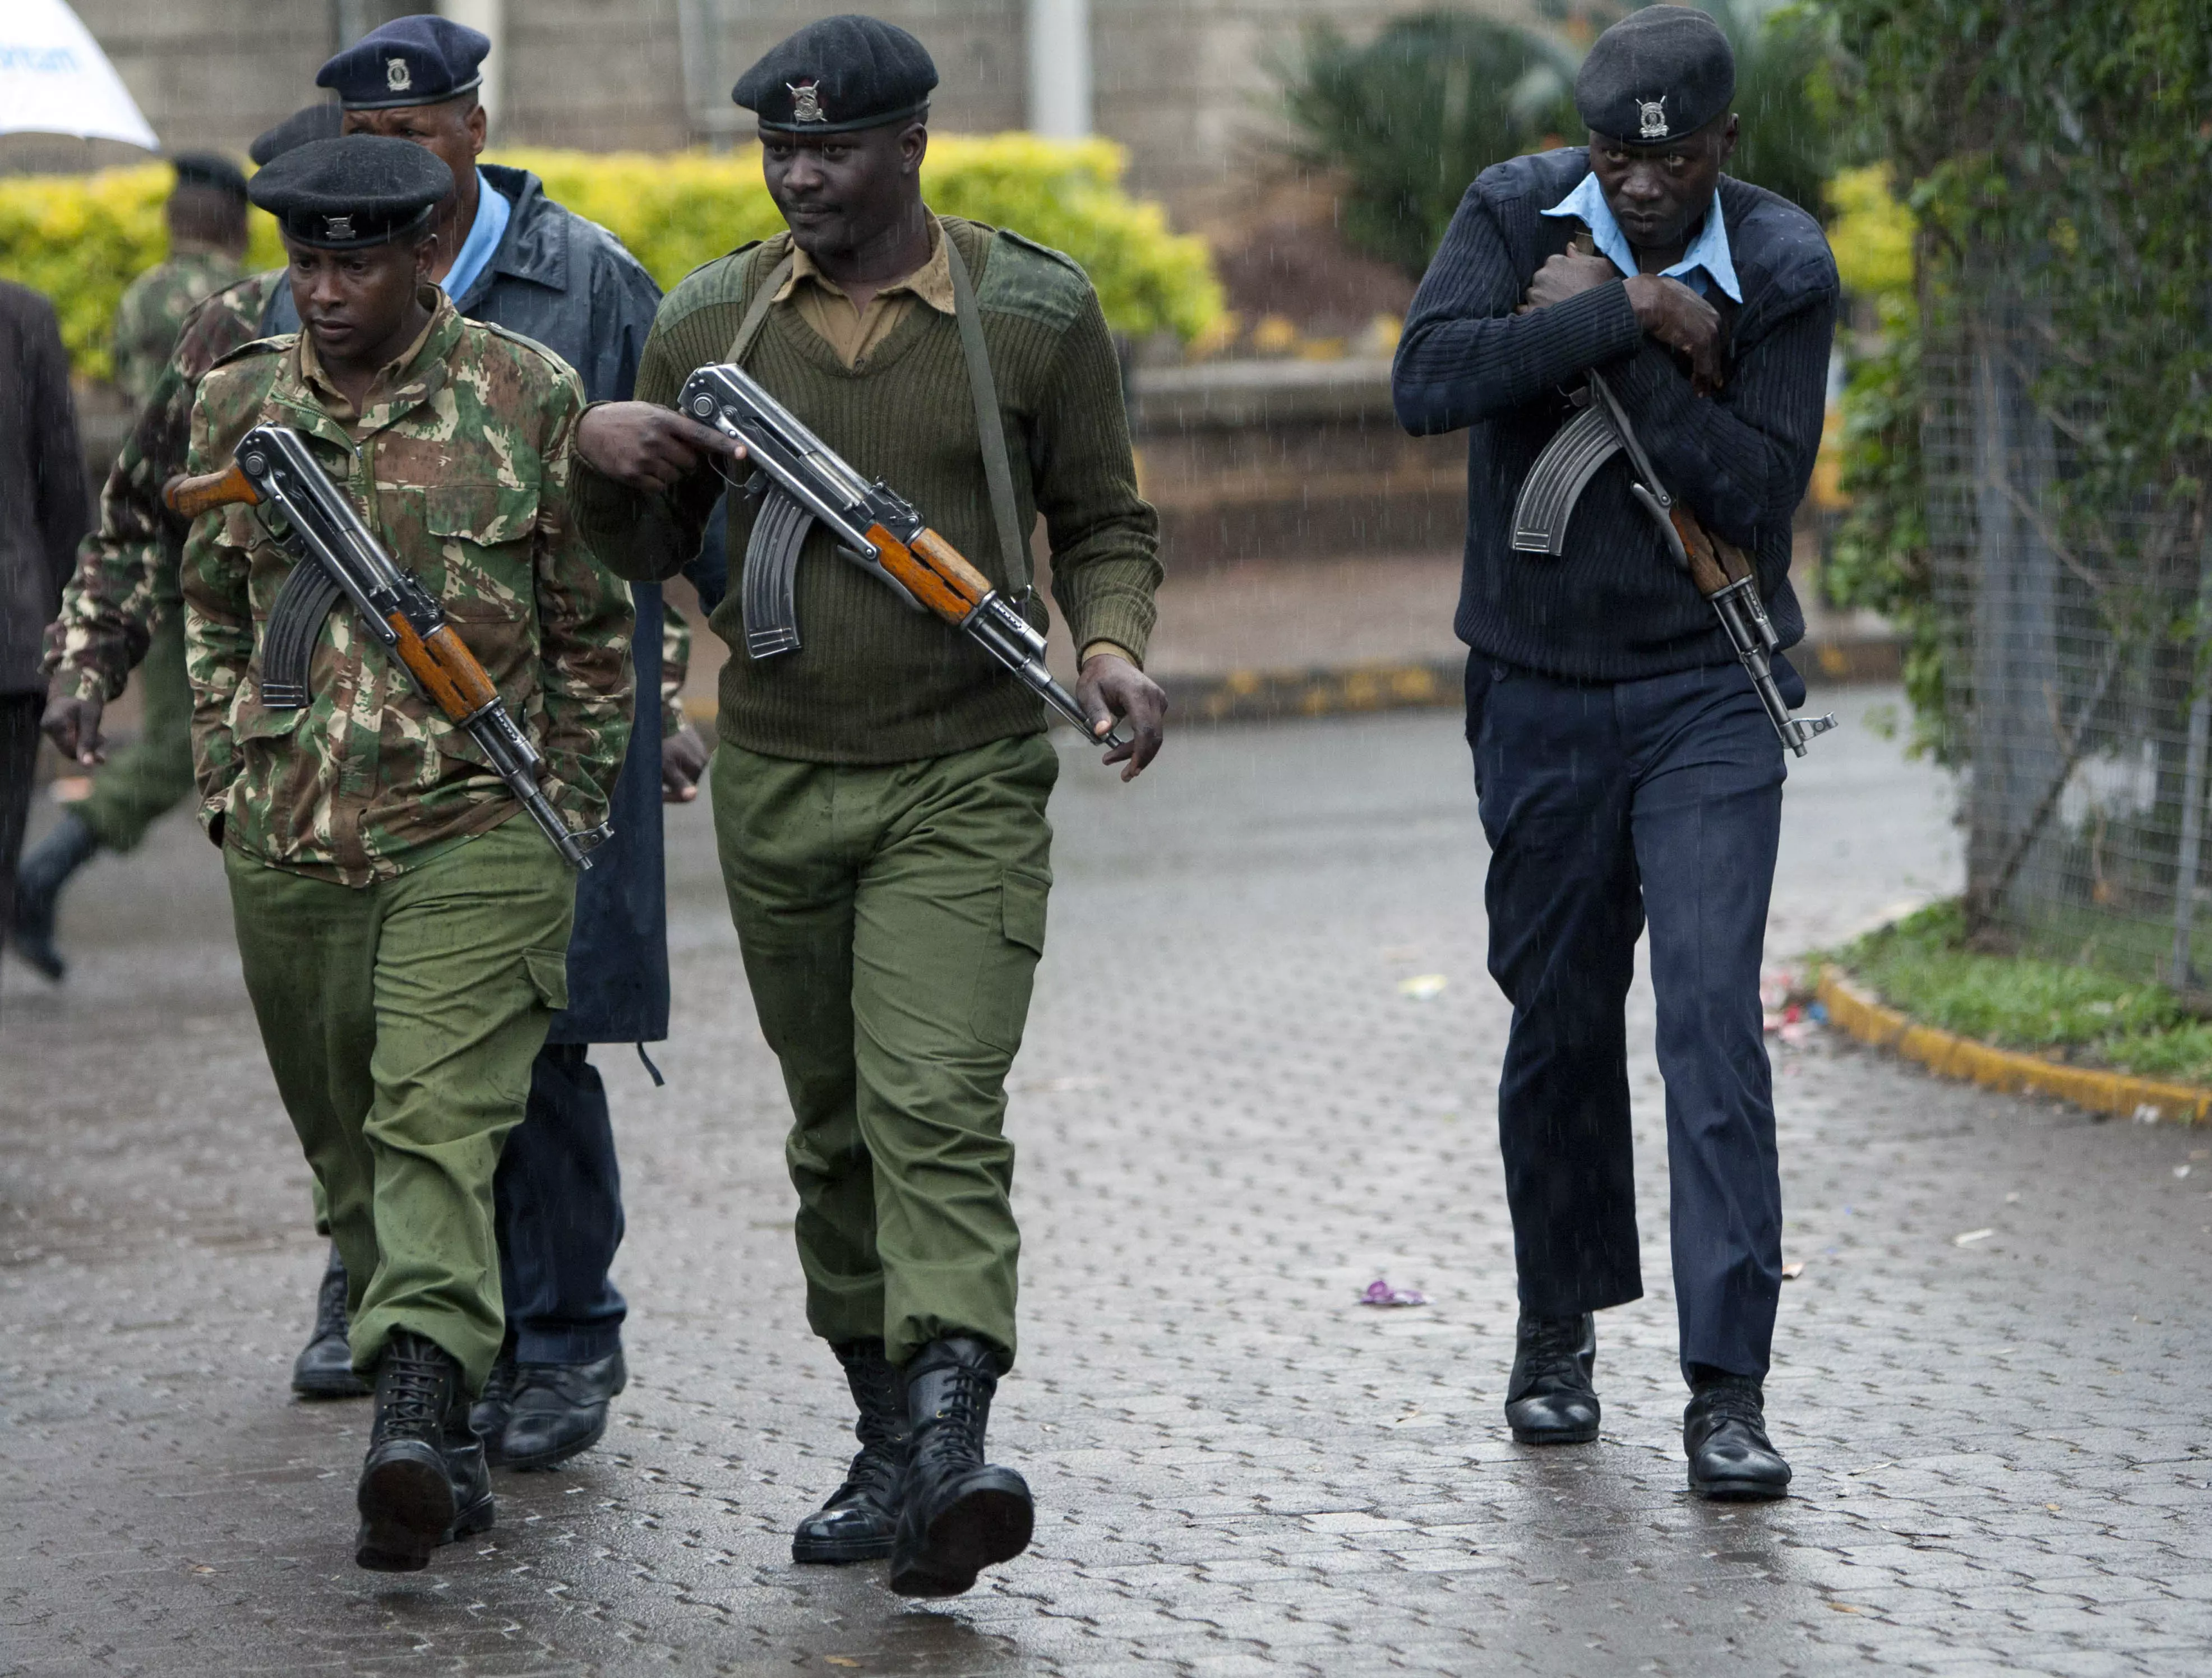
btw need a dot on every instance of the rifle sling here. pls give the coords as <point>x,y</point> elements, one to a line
<point>990,430</point>
<point>295,624</point>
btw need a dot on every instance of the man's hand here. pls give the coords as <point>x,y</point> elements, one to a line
<point>682,761</point>
<point>647,447</point>
<point>1109,686</point>
<point>1675,315</point>
<point>73,725</point>
<point>1567,275</point>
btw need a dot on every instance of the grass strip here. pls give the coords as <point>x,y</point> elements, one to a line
<point>1921,965</point>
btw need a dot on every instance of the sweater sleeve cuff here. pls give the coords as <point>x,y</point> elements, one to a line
<point>1093,649</point>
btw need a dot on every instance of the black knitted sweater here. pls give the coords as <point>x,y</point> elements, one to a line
<point>1614,607</point>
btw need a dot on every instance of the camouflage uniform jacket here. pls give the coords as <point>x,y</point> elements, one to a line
<point>153,310</point>
<point>461,464</point>
<point>126,570</point>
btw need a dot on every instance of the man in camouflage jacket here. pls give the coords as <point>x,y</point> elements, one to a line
<point>403,935</point>
<point>206,214</point>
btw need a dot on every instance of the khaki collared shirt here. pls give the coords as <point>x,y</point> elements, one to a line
<point>853,331</point>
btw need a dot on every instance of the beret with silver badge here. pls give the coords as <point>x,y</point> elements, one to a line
<point>408,61</point>
<point>837,75</point>
<point>354,191</point>
<point>1658,74</point>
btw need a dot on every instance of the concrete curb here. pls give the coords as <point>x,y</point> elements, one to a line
<point>1328,691</point>
<point>1948,1055</point>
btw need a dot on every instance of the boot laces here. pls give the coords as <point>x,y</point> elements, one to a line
<point>951,1431</point>
<point>1554,1345</point>
<point>1732,1403</point>
<point>413,1396</point>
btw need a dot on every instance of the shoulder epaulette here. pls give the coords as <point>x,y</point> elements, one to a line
<point>268,346</point>
<point>1026,278</point>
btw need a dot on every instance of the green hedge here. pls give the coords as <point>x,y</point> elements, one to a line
<point>80,239</point>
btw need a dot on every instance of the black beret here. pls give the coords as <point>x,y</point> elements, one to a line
<point>352,191</point>
<point>1655,75</point>
<point>842,73</point>
<point>408,61</point>
<point>313,122</point>
<point>212,170</point>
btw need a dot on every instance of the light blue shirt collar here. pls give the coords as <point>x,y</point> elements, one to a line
<point>493,213</point>
<point>1707,256</point>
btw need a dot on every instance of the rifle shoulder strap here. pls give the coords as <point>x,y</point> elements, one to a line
<point>756,308</point>
<point>990,430</point>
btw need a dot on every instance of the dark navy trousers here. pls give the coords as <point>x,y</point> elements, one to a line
<point>559,1202</point>
<point>1610,807</point>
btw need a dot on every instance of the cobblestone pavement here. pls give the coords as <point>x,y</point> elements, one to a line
<point>1232,1119</point>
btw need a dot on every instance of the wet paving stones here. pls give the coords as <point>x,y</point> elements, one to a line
<point>1230,1120</point>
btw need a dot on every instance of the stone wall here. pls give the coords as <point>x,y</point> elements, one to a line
<point>1183,83</point>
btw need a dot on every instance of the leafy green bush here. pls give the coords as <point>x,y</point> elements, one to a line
<point>1412,117</point>
<point>80,239</point>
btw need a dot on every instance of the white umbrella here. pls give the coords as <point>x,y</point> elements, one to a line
<point>54,79</point>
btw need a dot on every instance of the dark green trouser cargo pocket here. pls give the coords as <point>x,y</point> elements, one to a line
<point>1006,977</point>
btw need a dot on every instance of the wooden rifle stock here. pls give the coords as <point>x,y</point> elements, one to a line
<point>934,571</point>
<point>189,497</point>
<point>1714,561</point>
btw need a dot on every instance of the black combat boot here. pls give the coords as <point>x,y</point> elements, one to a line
<point>857,1523</point>
<point>39,881</point>
<point>323,1368</point>
<point>559,1409</point>
<point>487,1415</point>
<point>1724,1436</point>
<point>958,1514</point>
<point>1550,1399</point>
<point>424,1482</point>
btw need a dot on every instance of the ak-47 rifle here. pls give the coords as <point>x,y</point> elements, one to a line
<point>803,479</point>
<point>1721,571</point>
<point>273,472</point>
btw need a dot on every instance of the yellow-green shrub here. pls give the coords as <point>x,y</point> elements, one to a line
<point>678,211</point>
<point>80,239</point>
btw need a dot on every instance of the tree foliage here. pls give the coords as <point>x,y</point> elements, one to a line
<point>2059,151</point>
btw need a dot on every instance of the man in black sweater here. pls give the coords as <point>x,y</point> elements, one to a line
<point>1626,767</point>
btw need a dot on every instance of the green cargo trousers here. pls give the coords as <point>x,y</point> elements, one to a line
<point>149,777</point>
<point>891,917</point>
<point>401,1019</point>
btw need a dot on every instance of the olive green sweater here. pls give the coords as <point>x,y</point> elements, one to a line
<point>874,682</point>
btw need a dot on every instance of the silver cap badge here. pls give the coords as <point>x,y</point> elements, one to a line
<point>806,102</point>
<point>338,227</point>
<point>1652,114</point>
<point>396,76</point>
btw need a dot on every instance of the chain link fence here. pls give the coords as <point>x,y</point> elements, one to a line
<point>2076,649</point>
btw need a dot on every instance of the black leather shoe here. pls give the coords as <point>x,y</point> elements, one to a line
<point>1550,1399</point>
<point>39,877</point>
<point>424,1482</point>
<point>559,1409</point>
<point>1724,1436</point>
<point>858,1521</point>
<point>958,1514</point>
<point>323,1368</point>
<point>487,1415</point>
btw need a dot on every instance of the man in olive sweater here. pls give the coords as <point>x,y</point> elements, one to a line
<point>1627,771</point>
<point>879,793</point>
